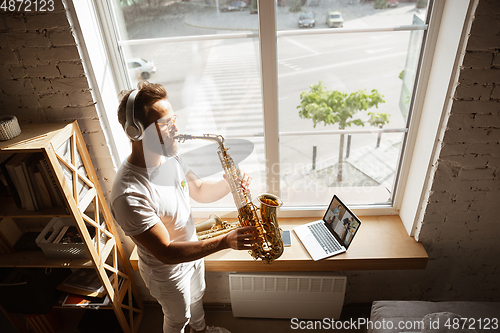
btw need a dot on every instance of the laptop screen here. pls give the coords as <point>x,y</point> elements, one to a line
<point>342,221</point>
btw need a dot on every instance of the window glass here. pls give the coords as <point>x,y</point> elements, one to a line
<point>367,14</point>
<point>206,53</point>
<point>160,18</point>
<point>344,98</point>
<point>214,84</point>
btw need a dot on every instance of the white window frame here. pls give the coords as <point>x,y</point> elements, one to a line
<point>441,61</point>
<point>412,186</point>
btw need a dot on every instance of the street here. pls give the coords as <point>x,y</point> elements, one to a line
<point>215,87</point>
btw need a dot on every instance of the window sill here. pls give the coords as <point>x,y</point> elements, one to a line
<point>381,243</point>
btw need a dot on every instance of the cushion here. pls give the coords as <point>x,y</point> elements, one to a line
<point>395,313</point>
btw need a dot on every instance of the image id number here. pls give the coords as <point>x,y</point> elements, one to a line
<point>472,323</point>
<point>27,5</point>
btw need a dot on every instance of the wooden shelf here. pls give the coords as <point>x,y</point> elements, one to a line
<point>107,307</point>
<point>71,171</point>
<point>33,137</point>
<point>381,243</point>
<point>38,259</point>
<point>9,209</point>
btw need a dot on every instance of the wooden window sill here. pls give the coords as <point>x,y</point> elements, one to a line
<point>381,243</point>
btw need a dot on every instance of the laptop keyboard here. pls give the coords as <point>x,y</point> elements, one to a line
<point>325,239</point>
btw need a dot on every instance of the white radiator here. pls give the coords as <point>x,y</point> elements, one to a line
<point>287,295</point>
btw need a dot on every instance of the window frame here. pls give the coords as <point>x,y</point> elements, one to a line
<point>118,72</point>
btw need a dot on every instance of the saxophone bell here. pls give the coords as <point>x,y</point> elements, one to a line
<point>269,203</point>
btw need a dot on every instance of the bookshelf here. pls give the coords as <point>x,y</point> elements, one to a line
<point>81,198</point>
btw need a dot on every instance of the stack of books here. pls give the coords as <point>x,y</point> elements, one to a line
<point>27,178</point>
<point>85,289</point>
<point>84,301</point>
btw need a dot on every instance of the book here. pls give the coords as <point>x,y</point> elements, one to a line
<point>53,180</point>
<point>84,281</point>
<point>9,234</point>
<point>43,190</point>
<point>25,183</point>
<point>27,166</point>
<point>84,301</point>
<point>59,236</point>
<point>49,180</point>
<point>4,187</point>
<point>11,188</point>
<point>75,300</point>
<point>10,165</point>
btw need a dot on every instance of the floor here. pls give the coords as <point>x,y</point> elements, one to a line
<point>223,316</point>
<point>218,316</point>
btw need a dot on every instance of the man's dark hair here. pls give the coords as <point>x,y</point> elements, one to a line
<point>149,93</point>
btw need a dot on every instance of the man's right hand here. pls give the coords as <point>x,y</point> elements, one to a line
<point>244,238</point>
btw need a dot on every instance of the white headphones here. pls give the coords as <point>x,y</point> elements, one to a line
<point>133,127</point>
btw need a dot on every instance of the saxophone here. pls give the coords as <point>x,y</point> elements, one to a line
<point>271,245</point>
<point>214,226</point>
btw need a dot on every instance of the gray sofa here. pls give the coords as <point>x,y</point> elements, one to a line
<point>420,316</point>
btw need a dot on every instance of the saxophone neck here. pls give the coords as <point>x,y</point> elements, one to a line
<point>210,137</point>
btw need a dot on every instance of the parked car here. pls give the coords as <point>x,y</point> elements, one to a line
<point>307,20</point>
<point>392,3</point>
<point>234,6</point>
<point>334,20</point>
<point>140,68</point>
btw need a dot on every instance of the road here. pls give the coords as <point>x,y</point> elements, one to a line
<point>215,85</point>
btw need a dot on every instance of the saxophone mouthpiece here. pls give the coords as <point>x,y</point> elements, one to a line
<point>183,137</point>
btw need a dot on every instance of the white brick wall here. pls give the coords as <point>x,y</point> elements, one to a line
<point>461,223</point>
<point>461,219</point>
<point>42,79</point>
<point>460,227</point>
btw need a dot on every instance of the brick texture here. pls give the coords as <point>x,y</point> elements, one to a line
<point>42,79</point>
<point>460,225</point>
<point>462,213</point>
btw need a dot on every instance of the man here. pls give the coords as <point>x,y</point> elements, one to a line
<point>347,227</point>
<point>150,200</point>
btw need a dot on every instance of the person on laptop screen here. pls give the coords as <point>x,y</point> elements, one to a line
<point>332,235</point>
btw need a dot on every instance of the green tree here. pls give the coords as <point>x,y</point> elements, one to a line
<point>421,3</point>
<point>295,6</point>
<point>336,107</point>
<point>380,4</point>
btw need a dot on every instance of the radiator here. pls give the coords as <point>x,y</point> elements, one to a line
<point>287,295</point>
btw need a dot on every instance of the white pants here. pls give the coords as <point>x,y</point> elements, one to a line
<point>180,297</point>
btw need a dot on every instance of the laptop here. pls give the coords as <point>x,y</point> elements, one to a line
<point>333,234</point>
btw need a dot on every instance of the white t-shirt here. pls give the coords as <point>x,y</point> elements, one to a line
<point>142,197</point>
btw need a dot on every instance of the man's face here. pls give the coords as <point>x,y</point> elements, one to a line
<point>159,136</point>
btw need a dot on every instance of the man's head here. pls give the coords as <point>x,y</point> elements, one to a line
<point>147,94</point>
<point>153,111</point>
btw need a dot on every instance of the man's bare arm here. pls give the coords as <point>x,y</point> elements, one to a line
<point>157,241</point>
<point>206,191</point>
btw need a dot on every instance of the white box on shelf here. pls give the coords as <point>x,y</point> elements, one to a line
<point>61,249</point>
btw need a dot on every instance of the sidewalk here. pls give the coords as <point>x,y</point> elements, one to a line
<point>366,166</point>
<point>207,17</point>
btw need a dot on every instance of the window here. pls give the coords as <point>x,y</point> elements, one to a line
<point>218,66</point>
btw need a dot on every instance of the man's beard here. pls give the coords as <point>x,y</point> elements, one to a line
<point>169,150</point>
<point>167,146</point>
